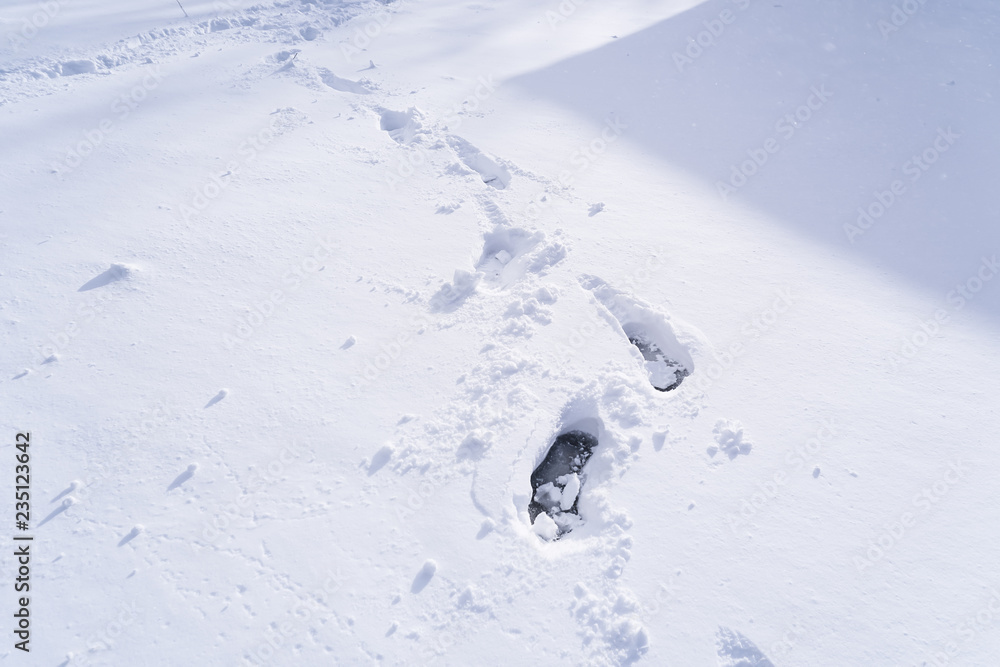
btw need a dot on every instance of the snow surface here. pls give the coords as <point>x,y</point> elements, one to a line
<point>294,296</point>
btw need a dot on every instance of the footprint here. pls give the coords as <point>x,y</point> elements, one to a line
<point>452,295</point>
<point>402,126</point>
<point>665,374</point>
<point>74,67</point>
<point>310,33</point>
<point>666,359</point>
<point>735,650</point>
<point>557,481</point>
<point>505,253</point>
<point>493,173</point>
<point>343,85</point>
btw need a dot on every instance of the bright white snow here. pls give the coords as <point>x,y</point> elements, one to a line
<point>294,296</point>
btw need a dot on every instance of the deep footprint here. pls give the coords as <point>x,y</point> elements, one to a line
<point>665,373</point>
<point>556,482</point>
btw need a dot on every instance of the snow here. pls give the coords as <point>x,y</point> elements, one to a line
<point>295,296</point>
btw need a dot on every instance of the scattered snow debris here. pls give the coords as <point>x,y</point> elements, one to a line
<point>660,437</point>
<point>137,530</point>
<point>545,527</point>
<point>571,489</point>
<point>613,621</point>
<point>453,294</point>
<point>379,459</point>
<point>424,576</point>
<point>115,273</point>
<point>473,447</point>
<point>556,481</point>
<point>730,438</point>
<point>218,397</point>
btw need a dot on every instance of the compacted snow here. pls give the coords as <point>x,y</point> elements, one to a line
<point>296,297</point>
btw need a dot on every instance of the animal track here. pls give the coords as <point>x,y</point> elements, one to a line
<point>667,361</point>
<point>557,481</point>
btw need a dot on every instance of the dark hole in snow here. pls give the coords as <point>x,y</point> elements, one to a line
<point>670,373</point>
<point>556,482</point>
